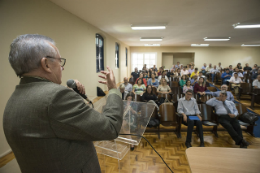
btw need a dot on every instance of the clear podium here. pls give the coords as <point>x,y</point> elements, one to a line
<point>115,154</point>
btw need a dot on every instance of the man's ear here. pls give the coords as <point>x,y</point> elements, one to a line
<point>45,65</point>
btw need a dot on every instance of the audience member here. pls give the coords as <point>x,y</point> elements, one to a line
<point>224,87</point>
<point>201,75</point>
<point>226,76</point>
<point>173,67</point>
<point>256,83</point>
<point>255,69</point>
<point>247,67</point>
<point>182,82</point>
<point>148,95</point>
<point>200,87</point>
<point>163,76</point>
<point>196,72</point>
<point>187,86</point>
<point>184,71</point>
<point>142,79</point>
<point>181,66</point>
<point>203,68</point>
<point>208,68</point>
<point>187,106</point>
<point>240,75</point>
<point>178,73</point>
<point>154,68</point>
<point>231,69</point>
<point>139,88</point>
<point>163,88</point>
<point>122,90</point>
<point>145,75</point>
<point>239,66</point>
<point>170,73</point>
<point>188,66</point>
<point>219,67</point>
<point>227,117</point>
<point>160,71</point>
<point>153,82</point>
<point>213,72</point>
<point>144,67</point>
<point>135,74</point>
<point>254,75</point>
<point>177,65</point>
<point>128,86</point>
<point>235,82</point>
<point>194,80</point>
<point>191,70</point>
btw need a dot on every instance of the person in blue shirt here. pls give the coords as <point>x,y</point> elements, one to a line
<point>203,69</point>
<point>227,113</point>
<point>224,87</point>
<point>226,76</point>
<point>254,76</point>
<point>152,81</point>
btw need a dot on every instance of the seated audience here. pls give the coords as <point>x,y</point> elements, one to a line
<point>256,83</point>
<point>255,69</point>
<point>187,106</point>
<point>187,86</point>
<point>213,72</point>
<point>247,67</point>
<point>219,67</point>
<point>254,75</point>
<point>164,88</point>
<point>184,71</point>
<point>235,82</point>
<point>240,75</point>
<point>200,87</point>
<point>160,71</point>
<point>173,67</point>
<point>122,90</point>
<point>145,75</point>
<point>203,68</point>
<point>139,88</point>
<point>208,68</point>
<point>153,82</point>
<point>239,66</point>
<point>154,68</point>
<point>227,117</point>
<point>224,87</point>
<point>170,73</point>
<point>128,86</point>
<point>143,79</point>
<point>231,69</point>
<point>191,70</point>
<point>144,67</point>
<point>188,66</point>
<point>196,72</point>
<point>201,75</point>
<point>177,65</point>
<point>163,76</point>
<point>182,82</point>
<point>148,95</point>
<point>226,76</point>
<point>181,66</point>
<point>178,73</point>
<point>194,80</point>
<point>135,74</point>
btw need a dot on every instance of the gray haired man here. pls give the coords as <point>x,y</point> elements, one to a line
<point>188,107</point>
<point>227,117</point>
<point>224,87</point>
<point>48,126</point>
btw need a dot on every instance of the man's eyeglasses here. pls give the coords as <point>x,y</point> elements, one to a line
<point>62,60</point>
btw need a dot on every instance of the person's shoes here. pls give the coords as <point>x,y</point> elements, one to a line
<point>132,148</point>
<point>202,144</point>
<point>243,144</point>
<point>188,145</point>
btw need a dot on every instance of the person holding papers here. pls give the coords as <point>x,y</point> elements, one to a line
<point>188,107</point>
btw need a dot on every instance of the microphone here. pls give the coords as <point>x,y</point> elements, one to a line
<point>72,84</point>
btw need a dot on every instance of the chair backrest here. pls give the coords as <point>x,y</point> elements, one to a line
<point>137,97</point>
<point>206,112</point>
<point>166,96</point>
<point>246,88</point>
<point>176,90</point>
<point>241,109</point>
<point>168,114</point>
<point>213,89</point>
<point>205,98</point>
<point>174,84</point>
<point>154,90</point>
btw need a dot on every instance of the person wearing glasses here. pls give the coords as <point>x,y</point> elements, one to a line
<point>48,126</point>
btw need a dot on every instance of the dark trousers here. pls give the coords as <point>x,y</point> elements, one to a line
<point>190,124</point>
<point>232,126</point>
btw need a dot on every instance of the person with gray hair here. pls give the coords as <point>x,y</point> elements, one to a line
<point>188,108</point>
<point>48,126</point>
<point>224,87</point>
<point>227,112</point>
<point>128,86</point>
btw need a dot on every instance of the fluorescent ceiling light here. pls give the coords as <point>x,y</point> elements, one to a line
<point>243,26</point>
<point>216,39</point>
<point>147,27</point>
<point>250,45</point>
<point>199,45</point>
<point>151,44</point>
<point>151,39</point>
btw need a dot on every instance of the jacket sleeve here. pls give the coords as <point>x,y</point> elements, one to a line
<point>70,118</point>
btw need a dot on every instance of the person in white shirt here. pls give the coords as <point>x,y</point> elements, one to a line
<point>177,65</point>
<point>208,68</point>
<point>213,73</point>
<point>219,66</point>
<point>256,83</point>
<point>184,71</point>
<point>235,82</point>
<point>163,76</point>
<point>240,75</point>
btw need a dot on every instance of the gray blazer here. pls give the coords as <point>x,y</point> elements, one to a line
<point>50,128</point>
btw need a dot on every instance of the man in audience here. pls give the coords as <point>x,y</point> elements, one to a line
<point>255,70</point>
<point>154,68</point>
<point>196,72</point>
<point>227,112</point>
<point>143,79</point>
<point>201,75</point>
<point>123,91</point>
<point>213,72</point>
<point>256,83</point>
<point>163,76</point>
<point>240,75</point>
<point>247,67</point>
<point>173,67</point>
<point>170,73</point>
<point>226,76</point>
<point>128,86</point>
<point>219,67</point>
<point>224,87</point>
<point>194,80</point>
<point>177,65</point>
<point>135,74</point>
<point>235,82</point>
<point>187,106</point>
<point>203,68</point>
<point>231,69</point>
<point>184,71</point>
<point>208,68</point>
<point>191,70</point>
<point>254,75</point>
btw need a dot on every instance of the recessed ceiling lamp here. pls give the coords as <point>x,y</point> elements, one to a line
<point>199,45</point>
<point>151,39</point>
<point>244,26</point>
<point>250,45</point>
<point>151,44</point>
<point>147,27</point>
<point>216,39</point>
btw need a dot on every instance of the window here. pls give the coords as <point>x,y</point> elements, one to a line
<point>139,59</point>
<point>117,56</point>
<point>126,52</point>
<point>99,53</point>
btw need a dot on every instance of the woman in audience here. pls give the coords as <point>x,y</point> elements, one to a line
<point>182,82</point>
<point>239,66</point>
<point>148,95</point>
<point>178,73</point>
<point>143,80</point>
<point>184,71</point>
<point>145,75</point>
<point>164,88</point>
<point>153,82</point>
<point>187,87</point>
<point>139,88</point>
<point>160,71</point>
<point>163,76</point>
<point>200,87</point>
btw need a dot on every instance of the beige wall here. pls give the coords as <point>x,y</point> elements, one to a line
<point>74,37</point>
<point>226,55</point>
<point>167,60</point>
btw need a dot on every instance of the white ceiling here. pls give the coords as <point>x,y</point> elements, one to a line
<point>188,21</point>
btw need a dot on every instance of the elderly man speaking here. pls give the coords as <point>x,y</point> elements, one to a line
<point>48,126</point>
